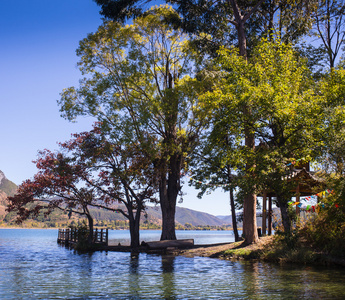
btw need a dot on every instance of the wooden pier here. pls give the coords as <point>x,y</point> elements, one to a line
<point>69,236</point>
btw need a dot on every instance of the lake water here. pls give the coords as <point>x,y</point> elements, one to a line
<point>33,266</point>
<point>200,237</point>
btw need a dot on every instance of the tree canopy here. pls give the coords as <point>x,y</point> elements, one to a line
<point>285,111</point>
<point>140,83</point>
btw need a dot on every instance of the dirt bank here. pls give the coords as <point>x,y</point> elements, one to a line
<point>219,251</point>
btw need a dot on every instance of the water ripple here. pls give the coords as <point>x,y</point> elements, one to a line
<point>33,266</point>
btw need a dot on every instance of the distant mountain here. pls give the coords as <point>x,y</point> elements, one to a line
<point>227,219</point>
<point>7,186</point>
<point>185,215</point>
<point>154,215</point>
<point>3,203</point>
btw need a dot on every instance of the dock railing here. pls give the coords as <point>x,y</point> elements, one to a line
<point>69,236</point>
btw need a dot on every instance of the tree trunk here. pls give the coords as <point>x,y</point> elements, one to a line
<point>232,203</point>
<point>249,207</point>
<point>168,220</point>
<point>233,215</point>
<point>168,195</point>
<point>232,200</point>
<point>250,231</point>
<point>283,205</point>
<point>242,40</point>
<point>134,228</point>
<point>168,207</point>
<point>90,236</point>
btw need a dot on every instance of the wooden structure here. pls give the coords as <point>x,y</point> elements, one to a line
<point>69,236</point>
<point>304,181</point>
<point>165,244</point>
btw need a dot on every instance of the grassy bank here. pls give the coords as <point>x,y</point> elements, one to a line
<point>277,249</point>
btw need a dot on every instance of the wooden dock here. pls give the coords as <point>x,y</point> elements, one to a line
<point>69,236</point>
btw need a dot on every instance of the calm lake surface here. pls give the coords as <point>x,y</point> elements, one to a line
<point>33,266</point>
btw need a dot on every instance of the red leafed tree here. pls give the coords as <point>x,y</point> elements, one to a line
<point>124,174</point>
<point>58,184</point>
<point>91,170</point>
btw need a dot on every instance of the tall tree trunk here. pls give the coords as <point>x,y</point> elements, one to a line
<point>233,215</point>
<point>242,41</point>
<point>232,205</point>
<point>90,221</point>
<point>169,189</point>
<point>134,227</point>
<point>250,231</point>
<point>283,205</point>
<point>168,219</point>
<point>249,207</point>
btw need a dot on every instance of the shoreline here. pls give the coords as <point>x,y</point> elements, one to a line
<point>268,249</point>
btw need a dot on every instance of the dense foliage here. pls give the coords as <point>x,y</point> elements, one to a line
<point>226,89</point>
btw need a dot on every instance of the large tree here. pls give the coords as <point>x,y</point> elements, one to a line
<point>216,23</point>
<point>124,174</point>
<point>329,29</point>
<point>91,170</point>
<point>139,84</point>
<point>285,110</point>
<point>332,89</point>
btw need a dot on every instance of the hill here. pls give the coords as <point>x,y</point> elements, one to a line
<point>7,186</point>
<point>183,216</point>
<point>153,214</point>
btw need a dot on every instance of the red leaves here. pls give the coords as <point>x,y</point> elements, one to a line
<point>92,168</point>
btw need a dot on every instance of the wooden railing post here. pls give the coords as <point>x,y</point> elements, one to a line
<point>269,215</point>
<point>264,211</point>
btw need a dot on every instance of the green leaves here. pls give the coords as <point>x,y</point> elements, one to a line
<point>270,96</point>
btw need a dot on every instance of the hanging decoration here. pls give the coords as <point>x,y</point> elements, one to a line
<point>313,206</point>
<point>294,162</point>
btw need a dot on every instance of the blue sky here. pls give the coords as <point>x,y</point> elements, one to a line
<point>37,60</point>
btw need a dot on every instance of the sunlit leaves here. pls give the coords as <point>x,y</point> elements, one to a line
<point>275,85</point>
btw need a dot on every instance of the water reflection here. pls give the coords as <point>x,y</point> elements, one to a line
<point>133,280</point>
<point>168,274</point>
<point>39,269</point>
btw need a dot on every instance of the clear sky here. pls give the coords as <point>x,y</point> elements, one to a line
<point>37,60</point>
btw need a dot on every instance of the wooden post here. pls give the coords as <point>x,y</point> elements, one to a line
<point>297,200</point>
<point>270,215</point>
<point>264,203</point>
<point>106,237</point>
<point>102,235</point>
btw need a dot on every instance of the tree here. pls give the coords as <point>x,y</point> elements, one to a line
<point>330,28</point>
<point>211,166</point>
<point>55,186</point>
<point>285,111</point>
<point>249,19</point>
<point>139,84</point>
<point>125,175</point>
<point>90,171</point>
<point>332,133</point>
